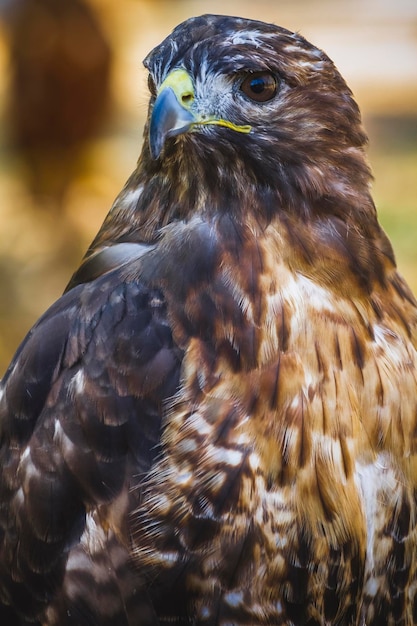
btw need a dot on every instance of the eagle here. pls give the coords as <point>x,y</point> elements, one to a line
<point>216,424</point>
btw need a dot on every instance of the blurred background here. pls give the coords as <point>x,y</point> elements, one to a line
<point>73,99</point>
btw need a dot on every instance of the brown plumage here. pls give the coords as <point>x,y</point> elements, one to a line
<point>216,424</point>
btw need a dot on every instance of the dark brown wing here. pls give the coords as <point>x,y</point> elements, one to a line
<point>80,415</point>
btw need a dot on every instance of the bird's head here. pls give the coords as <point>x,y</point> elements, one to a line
<point>238,106</point>
<point>250,125</point>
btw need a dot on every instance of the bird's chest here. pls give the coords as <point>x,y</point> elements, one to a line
<point>221,511</point>
<point>212,526</point>
<point>230,530</point>
<point>253,510</point>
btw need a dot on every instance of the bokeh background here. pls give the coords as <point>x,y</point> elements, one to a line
<point>73,99</point>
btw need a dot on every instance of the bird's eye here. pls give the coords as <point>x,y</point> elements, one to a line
<point>260,86</point>
<point>151,85</point>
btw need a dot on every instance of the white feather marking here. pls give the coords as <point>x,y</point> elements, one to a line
<point>198,422</point>
<point>186,446</point>
<point>77,384</point>
<point>94,537</point>
<point>386,339</point>
<point>234,598</point>
<point>61,438</point>
<point>130,198</point>
<point>278,607</point>
<point>184,478</point>
<point>314,53</point>
<point>25,455</point>
<point>225,455</point>
<point>374,481</point>
<point>317,296</point>
<point>205,612</point>
<point>77,560</point>
<point>254,461</point>
<point>27,466</point>
<point>170,557</point>
<point>295,402</point>
<point>19,497</point>
<point>216,481</point>
<point>251,37</point>
<point>161,504</point>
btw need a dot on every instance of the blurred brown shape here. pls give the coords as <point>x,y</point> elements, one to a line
<point>59,92</point>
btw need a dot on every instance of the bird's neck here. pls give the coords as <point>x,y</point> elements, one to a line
<point>156,195</point>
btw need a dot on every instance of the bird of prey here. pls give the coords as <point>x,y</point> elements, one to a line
<point>216,424</point>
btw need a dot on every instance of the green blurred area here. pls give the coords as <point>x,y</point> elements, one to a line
<point>43,236</point>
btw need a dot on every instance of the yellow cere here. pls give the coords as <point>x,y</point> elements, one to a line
<point>181,84</point>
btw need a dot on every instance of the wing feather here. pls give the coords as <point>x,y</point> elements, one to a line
<point>81,410</point>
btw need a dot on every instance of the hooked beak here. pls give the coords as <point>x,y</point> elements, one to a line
<point>168,119</point>
<point>172,114</point>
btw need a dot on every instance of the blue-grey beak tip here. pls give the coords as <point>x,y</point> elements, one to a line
<point>168,119</point>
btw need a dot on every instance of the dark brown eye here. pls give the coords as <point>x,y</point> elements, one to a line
<point>260,86</point>
<point>151,85</point>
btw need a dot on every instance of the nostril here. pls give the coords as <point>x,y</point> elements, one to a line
<point>187,97</point>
